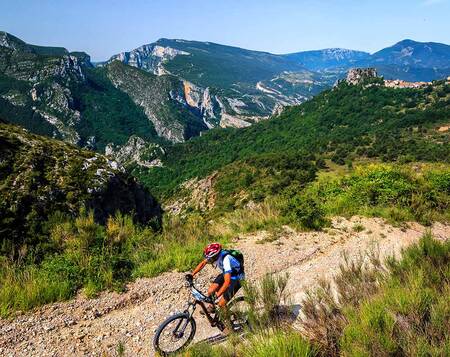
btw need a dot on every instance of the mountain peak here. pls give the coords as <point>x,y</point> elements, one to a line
<point>10,41</point>
<point>407,42</point>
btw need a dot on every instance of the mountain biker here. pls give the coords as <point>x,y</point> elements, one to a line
<point>228,282</point>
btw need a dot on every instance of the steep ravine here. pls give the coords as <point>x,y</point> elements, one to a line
<point>95,327</point>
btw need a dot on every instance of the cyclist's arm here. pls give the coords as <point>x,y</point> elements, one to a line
<point>226,284</point>
<point>199,267</point>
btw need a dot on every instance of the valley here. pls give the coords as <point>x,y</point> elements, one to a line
<point>179,88</point>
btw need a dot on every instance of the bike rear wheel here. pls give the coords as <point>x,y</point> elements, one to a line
<point>239,314</point>
<point>174,334</point>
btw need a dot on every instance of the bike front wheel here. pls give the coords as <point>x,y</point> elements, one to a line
<point>174,334</point>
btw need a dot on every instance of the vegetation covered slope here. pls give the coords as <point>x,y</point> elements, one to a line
<point>42,179</point>
<point>346,123</point>
<point>214,65</point>
<point>162,99</point>
<point>56,93</point>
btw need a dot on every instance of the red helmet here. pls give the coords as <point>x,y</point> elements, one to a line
<point>212,251</point>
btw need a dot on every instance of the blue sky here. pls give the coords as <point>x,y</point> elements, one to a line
<point>105,27</point>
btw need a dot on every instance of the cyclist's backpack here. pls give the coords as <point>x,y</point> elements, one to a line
<point>239,257</point>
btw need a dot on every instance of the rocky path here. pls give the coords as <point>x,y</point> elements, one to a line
<point>113,321</point>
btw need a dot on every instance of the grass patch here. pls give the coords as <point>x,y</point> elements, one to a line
<point>271,343</point>
<point>358,228</point>
<point>400,308</point>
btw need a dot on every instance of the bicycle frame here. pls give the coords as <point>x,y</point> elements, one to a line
<point>199,299</point>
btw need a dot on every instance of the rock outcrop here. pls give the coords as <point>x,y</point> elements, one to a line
<point>136,151</point>
<point>357,76</point>
<point>149,57</point>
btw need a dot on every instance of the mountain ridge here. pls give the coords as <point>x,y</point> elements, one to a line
<point>192,86</point>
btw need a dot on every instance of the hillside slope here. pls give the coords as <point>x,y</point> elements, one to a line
<point>349,122</point>
<point>43,180</point>
<point>162,99</point>
<point>59,94</point>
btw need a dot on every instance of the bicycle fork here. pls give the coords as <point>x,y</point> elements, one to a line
<point>181,326</point>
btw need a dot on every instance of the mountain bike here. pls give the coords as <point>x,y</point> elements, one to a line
<point>178,330</point>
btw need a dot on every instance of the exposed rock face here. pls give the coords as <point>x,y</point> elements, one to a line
<point>149,57</point>
<point>136,151</point>
<point>232,121</point>
<point>202,100</point>
<point>358,75</point>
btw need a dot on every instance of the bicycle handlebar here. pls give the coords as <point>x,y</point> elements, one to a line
<point>190,284</point>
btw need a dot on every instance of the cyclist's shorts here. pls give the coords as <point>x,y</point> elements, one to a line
<point>234,287</point>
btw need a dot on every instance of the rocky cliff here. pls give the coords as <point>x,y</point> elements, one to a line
<point>229,86</point>
<point>356,76</point>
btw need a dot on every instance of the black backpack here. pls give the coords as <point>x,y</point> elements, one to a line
<point>240,258</point>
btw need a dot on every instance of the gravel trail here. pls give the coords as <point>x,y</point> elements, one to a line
<point>96,327</point>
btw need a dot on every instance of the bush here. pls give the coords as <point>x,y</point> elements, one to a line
<point>268,302</point>
<point>305,211</point>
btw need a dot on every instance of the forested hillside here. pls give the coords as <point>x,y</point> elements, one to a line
<point>349,122</point>
<point>59,94</point>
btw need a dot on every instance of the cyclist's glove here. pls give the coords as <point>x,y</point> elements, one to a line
<point>189,277</point>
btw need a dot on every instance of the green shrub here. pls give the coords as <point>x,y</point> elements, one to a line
<point>305,211</point>
<point>280,343</point>
<point>397,193</point>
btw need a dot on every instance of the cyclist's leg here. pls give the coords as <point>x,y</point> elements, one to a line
<point>214,287</point>
<point>230,292</point>
<point>226,297</point>
<point>217,283</point>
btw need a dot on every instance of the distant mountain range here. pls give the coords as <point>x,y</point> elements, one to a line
<point>178,88</point>
<point>239,84</point>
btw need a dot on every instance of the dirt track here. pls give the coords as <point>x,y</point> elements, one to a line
<point>95,327</point>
